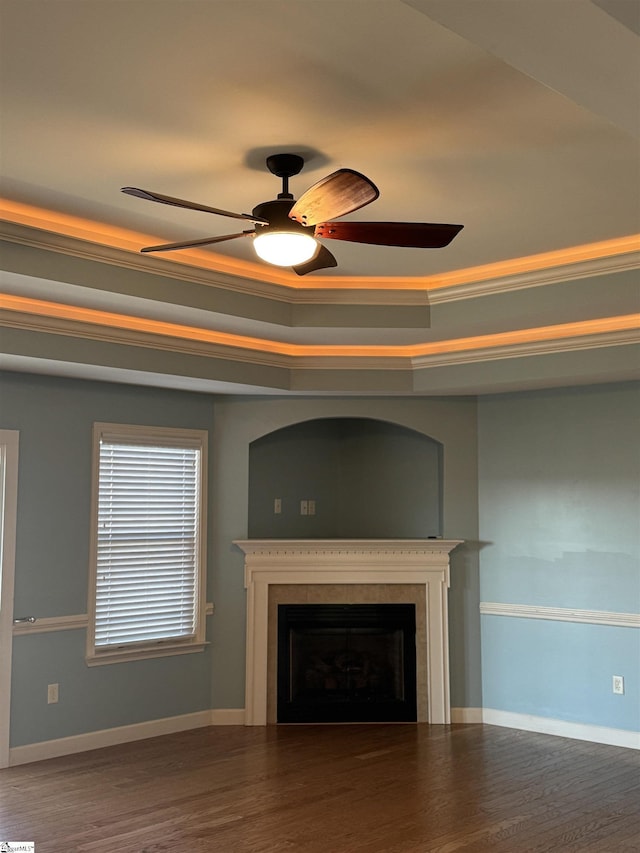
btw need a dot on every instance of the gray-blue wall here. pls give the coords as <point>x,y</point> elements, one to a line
<point>368,479</point>
<point>559,498</point>
<point>240,421</point>
<point>55,418</point>
<point>558,477</point>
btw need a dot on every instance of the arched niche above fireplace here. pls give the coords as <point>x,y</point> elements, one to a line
<point>365,477</point>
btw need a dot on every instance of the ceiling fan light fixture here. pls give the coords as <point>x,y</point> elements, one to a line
<point>285,229</point>
<point>285,248</point>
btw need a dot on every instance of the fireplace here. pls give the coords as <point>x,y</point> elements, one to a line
<point>346,663</point>
<point>340,572</point>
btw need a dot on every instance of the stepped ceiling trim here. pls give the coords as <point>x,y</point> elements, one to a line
<point>40,315</point>
<point>89,239</point>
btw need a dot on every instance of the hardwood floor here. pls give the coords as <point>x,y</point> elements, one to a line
<point>330,789</point>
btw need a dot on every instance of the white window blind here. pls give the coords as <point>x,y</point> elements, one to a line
<point>148,543</point>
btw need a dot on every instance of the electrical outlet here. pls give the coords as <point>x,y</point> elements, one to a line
<point>311,506</point>
<point>277,506</point>
<point>52,694</point>
<point>618,684</point>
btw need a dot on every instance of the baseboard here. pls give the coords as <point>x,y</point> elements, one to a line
<point>235,717</point>
<point>227,717</point>
<point>562,728</point>
<point>123,734</point>
<point>466,715</point>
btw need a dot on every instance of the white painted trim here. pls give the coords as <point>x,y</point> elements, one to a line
<point>347,561</point>
<point>562,728</point>
<point>261,287</point>
<point>149,340</point>
<point>286,361</point>
<point>124,734</point>
<point>561,614</point>
<point>107,737</point>
<point>624,337</point>
<point>87,250</point>
<point>227,717</point>
<point>466,715</point>
<point>164,650</point>
<point>536,278</point>
<point>9,441</point>
<point>51,623</point>
<point>47,624</point>
<point>134,435</point>
<point>236,717</point>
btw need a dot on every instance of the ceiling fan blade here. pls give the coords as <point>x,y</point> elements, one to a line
<point>190,205</point>
<point>322,260</point>
<point>340,193</point>
<point>419,235</point>
<point>190,244</point>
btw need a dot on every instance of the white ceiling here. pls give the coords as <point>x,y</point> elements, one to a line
<point>517,118</point>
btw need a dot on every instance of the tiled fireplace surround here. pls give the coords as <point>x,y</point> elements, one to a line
<point>347,571</point>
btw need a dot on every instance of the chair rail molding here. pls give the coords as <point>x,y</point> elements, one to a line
<point>561,614</point>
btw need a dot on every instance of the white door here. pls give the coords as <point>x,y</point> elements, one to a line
<point>8,514</point>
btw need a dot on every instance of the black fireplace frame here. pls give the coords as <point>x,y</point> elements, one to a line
<point>358,617</point>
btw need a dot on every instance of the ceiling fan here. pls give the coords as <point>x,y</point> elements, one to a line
<point>285,231</point>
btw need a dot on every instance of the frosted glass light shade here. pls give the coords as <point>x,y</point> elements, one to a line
<point>285,249</point>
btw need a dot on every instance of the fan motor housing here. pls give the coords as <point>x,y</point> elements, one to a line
<point>276,212</point>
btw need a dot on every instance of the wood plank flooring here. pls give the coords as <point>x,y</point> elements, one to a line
<point>330,789</point>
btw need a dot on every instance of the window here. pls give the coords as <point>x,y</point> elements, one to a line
<point>147,584</point>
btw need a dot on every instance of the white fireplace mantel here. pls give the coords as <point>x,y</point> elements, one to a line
<point>424,562</point>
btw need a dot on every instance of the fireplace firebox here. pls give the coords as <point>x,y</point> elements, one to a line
<point>346,663</point>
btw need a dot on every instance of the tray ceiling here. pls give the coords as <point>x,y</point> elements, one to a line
<point>520,120</point>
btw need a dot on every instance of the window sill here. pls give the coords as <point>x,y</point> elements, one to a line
<point>124,655</point>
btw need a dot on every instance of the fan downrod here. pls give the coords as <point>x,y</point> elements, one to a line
<point>285,166</point>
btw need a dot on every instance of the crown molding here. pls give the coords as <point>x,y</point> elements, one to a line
<point>86,250</point>
<point>171,269</point>
<point>267,553</point>
<point>146,340</point>
<point>623,337</point>
<point>88,324</point>
<point>537,278</point>
<point>99,243</point>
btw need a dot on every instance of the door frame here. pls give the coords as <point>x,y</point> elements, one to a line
<point>8,523</point>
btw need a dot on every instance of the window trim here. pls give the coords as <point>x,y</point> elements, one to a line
<point>149,435</point>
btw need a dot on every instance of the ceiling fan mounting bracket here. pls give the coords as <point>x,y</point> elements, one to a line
<point>285,165</point>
